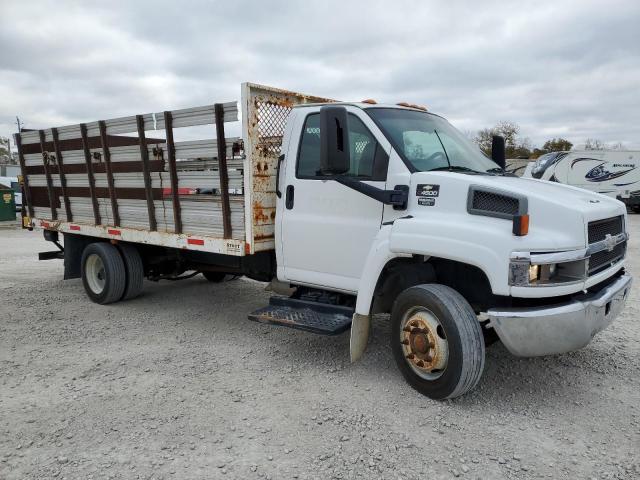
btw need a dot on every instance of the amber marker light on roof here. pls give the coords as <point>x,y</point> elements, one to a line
<point>370,101</point>
<point>412,105</point>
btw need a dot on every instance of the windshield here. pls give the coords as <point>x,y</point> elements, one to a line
<point>428,142</point>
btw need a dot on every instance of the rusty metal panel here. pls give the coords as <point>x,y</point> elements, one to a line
<point>265,111</point>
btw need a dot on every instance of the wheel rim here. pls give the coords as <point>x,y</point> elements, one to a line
<point>424,343</point>
<point>95,273</point>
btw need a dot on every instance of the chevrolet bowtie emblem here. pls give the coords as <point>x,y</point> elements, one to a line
<point>610,242</point>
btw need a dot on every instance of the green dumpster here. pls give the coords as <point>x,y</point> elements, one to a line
<point>7,204</point>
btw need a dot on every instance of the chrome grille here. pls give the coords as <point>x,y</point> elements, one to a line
<point>604,259</point>
<point>599,229</point>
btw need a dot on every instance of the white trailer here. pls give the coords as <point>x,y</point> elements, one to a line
<point>615,173</point>
<point>357,208</point>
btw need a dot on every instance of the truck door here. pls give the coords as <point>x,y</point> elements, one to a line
<point>326,228</point>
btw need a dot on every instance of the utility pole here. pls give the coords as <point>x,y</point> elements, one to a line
<point>9,148</point>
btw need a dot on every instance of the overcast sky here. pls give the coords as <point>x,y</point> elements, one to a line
<point>557,68</point>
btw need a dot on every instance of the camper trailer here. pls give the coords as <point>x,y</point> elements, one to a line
<point>615,173</point>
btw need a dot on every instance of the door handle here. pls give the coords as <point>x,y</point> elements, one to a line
<point>288,200</point>
<point>278,192</point>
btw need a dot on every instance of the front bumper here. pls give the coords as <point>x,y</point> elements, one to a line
<point>535,331</point>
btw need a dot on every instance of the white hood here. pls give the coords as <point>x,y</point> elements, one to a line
<point>559,214</point>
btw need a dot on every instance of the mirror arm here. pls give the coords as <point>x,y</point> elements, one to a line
<point>398,197</point>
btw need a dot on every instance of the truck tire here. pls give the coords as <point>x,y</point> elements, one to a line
<point>103,273</point>
<point>134,269</point>
<point>437,341</point>
<point>215,277</point>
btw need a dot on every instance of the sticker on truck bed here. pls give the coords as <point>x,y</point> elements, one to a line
<point>426,201</point>
<point>427,190</point>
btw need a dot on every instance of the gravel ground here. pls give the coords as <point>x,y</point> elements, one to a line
<point>179,384</point>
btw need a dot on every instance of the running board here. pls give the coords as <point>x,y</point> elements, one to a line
<point>315,317</point>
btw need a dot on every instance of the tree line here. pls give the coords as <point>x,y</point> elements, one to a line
<point>519,147</point>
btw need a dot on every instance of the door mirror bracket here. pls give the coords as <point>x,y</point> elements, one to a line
<point>398,197</point>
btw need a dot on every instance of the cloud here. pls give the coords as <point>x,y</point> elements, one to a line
<point>569,68</point>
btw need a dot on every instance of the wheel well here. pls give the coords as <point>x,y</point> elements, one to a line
<point>401,273</point>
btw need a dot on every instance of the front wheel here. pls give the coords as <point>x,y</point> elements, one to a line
<point>437,341</point>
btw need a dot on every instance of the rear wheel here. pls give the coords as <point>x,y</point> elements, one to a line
<point>135,270</point>
<point>437,341</point>
<point>215,277</point>
<point>103,273</point>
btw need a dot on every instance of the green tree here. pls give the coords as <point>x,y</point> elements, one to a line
<point>557,145</point>
<point>4,150</point>
<point>514,145</point>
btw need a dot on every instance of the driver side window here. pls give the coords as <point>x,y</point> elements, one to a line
<point>368,160</point>
<point>424,150</point>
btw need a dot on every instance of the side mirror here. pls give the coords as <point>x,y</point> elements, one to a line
<point>334,140</point>
<point>497,151</point>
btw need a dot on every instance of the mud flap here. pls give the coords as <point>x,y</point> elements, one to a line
<point>360,326</point>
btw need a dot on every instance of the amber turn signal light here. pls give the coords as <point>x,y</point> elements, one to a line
<point>520,225</point>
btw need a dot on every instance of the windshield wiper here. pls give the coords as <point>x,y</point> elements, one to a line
<point>501,171</point>
<point>455,168</point>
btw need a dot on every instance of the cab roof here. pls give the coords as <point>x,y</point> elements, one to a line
<point>362,105</point>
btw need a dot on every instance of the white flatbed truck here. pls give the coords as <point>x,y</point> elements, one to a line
<point>357,208</point>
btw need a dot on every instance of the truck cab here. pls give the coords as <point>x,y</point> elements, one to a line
<point>393,206</point>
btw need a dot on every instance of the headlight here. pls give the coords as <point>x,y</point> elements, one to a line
<point>532,272</point>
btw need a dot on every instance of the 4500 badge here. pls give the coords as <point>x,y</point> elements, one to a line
<point>427,193</point>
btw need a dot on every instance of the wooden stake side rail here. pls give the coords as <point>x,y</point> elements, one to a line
<point>173,172</point>
<point>188,199</point>
<point>25,178</point>
<point>222,167</point>
<point>62,176</point>
<point>186,117</point>
<point>106,155</point>
<point>92,182</point>
<point>47,173</point>
<point>144,155</point>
